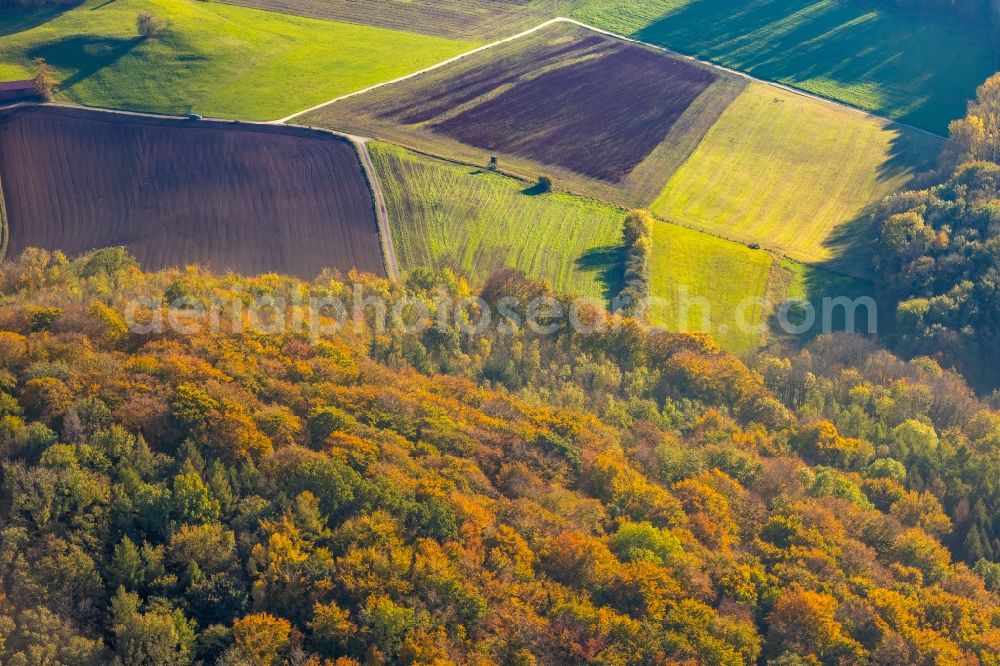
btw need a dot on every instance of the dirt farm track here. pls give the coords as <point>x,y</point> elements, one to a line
<point>247,198</point>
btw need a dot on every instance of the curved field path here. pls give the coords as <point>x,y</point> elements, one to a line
<point>381,211</point>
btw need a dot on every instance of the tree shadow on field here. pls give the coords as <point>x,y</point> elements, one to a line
<point>851,247</point>
<point>18,20</point>
<point>913,157</point>
<point>827,42</point>
<point>817,284</point>
<point>608,262</point>
<point>536,189</point>
<point>84,55</point>
<point>911,153</point>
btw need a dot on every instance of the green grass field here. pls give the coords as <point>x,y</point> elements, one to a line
<point>215,59</point>
<point>444,214</point>
<point>794,174</point>
<point>905,65</point>
<point>707,284</point>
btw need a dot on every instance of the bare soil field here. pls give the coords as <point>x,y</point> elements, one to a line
<point>457,19</point>
<point>588,109</point>
<point>248,198</point>
<point>623,102</point>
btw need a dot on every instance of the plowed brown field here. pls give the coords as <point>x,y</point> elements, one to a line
<point>247,198</point>
<point>599,117</point>
<point>564,101</point>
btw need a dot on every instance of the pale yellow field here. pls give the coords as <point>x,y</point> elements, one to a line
<point>701,283</point>
<point>792,172</point>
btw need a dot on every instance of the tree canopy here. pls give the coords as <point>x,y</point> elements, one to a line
<point>623,496</point>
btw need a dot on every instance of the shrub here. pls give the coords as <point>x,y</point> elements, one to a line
<point>43,318</point>
<point>149,26</point>
<point>45,80</point>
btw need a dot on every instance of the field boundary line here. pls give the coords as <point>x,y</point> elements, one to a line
<point>633,40</point>
<point>443,63</point>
